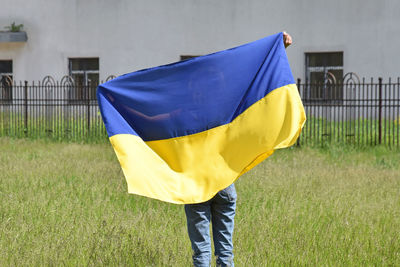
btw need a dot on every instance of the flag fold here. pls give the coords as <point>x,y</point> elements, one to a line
<point>186,130</point>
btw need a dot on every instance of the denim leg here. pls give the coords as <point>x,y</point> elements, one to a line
<point>198,222</point>
<point>223,212</point>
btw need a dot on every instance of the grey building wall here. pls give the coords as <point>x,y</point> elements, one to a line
<point>132,34</point>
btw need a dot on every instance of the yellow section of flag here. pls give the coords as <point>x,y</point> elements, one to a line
<point>193,168</point>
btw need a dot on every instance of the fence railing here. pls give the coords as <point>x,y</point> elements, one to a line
<point>52,109</point>
<point>351,110</point>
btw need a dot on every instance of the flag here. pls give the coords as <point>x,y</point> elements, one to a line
<point>186,130</point>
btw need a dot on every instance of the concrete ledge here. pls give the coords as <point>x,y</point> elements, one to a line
<point>8,37</point>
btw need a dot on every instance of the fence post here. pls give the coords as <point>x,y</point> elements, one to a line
<point>298,88</point>
<point>380,111</point>
<point>26,107</point>
<point>88,108</point>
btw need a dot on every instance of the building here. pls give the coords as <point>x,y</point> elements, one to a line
<point>115,37</point>
<point>89,40</point>
<point>82,42</point>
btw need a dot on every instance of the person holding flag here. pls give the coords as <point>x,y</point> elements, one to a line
<point>185,132</point>
<point>220,212</point>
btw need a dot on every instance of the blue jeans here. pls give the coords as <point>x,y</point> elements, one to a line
<point>220,211</point>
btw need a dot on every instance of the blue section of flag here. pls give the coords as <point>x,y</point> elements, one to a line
<point>192,96</point>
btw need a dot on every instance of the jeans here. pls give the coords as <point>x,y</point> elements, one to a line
<point>220,211</point>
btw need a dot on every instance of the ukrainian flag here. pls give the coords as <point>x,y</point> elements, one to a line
<point>186,130</point>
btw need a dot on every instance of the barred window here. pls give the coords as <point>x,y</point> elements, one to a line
<point>85,72</point>
<point>6,80</point>
<point>324,73</point>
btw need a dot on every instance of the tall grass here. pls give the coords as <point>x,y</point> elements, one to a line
<point>317,131</point>
<point>71,129</point>
<point>358,132</point>
<point>66,204</point>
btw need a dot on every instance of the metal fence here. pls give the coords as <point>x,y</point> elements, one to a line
<point>351,110</point>
<point>59,110</point>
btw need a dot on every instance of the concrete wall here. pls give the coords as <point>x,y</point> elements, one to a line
<point>132,34</point>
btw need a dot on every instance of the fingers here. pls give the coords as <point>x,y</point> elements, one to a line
<point>287,39</point>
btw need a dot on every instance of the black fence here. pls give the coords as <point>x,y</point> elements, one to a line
<point>351,111</point>
<point>60,110</point>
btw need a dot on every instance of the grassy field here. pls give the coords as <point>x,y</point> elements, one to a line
<point>67,204</point>
<point>73,127</point>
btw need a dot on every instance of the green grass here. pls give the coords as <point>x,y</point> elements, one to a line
<point>316,132</point>
<point>73,129</point>
<point>67,204</point>
<point>358,132</point>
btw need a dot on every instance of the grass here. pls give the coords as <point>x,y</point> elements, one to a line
<point>72,126</point>
<point>357,132</point>
<point>66,204</point>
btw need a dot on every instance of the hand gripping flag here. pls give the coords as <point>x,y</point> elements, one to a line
<point>186,130</point>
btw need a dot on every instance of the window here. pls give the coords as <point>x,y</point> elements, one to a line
<point>85,72</point>
<point>6,80</point>
<point>324,73</point>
